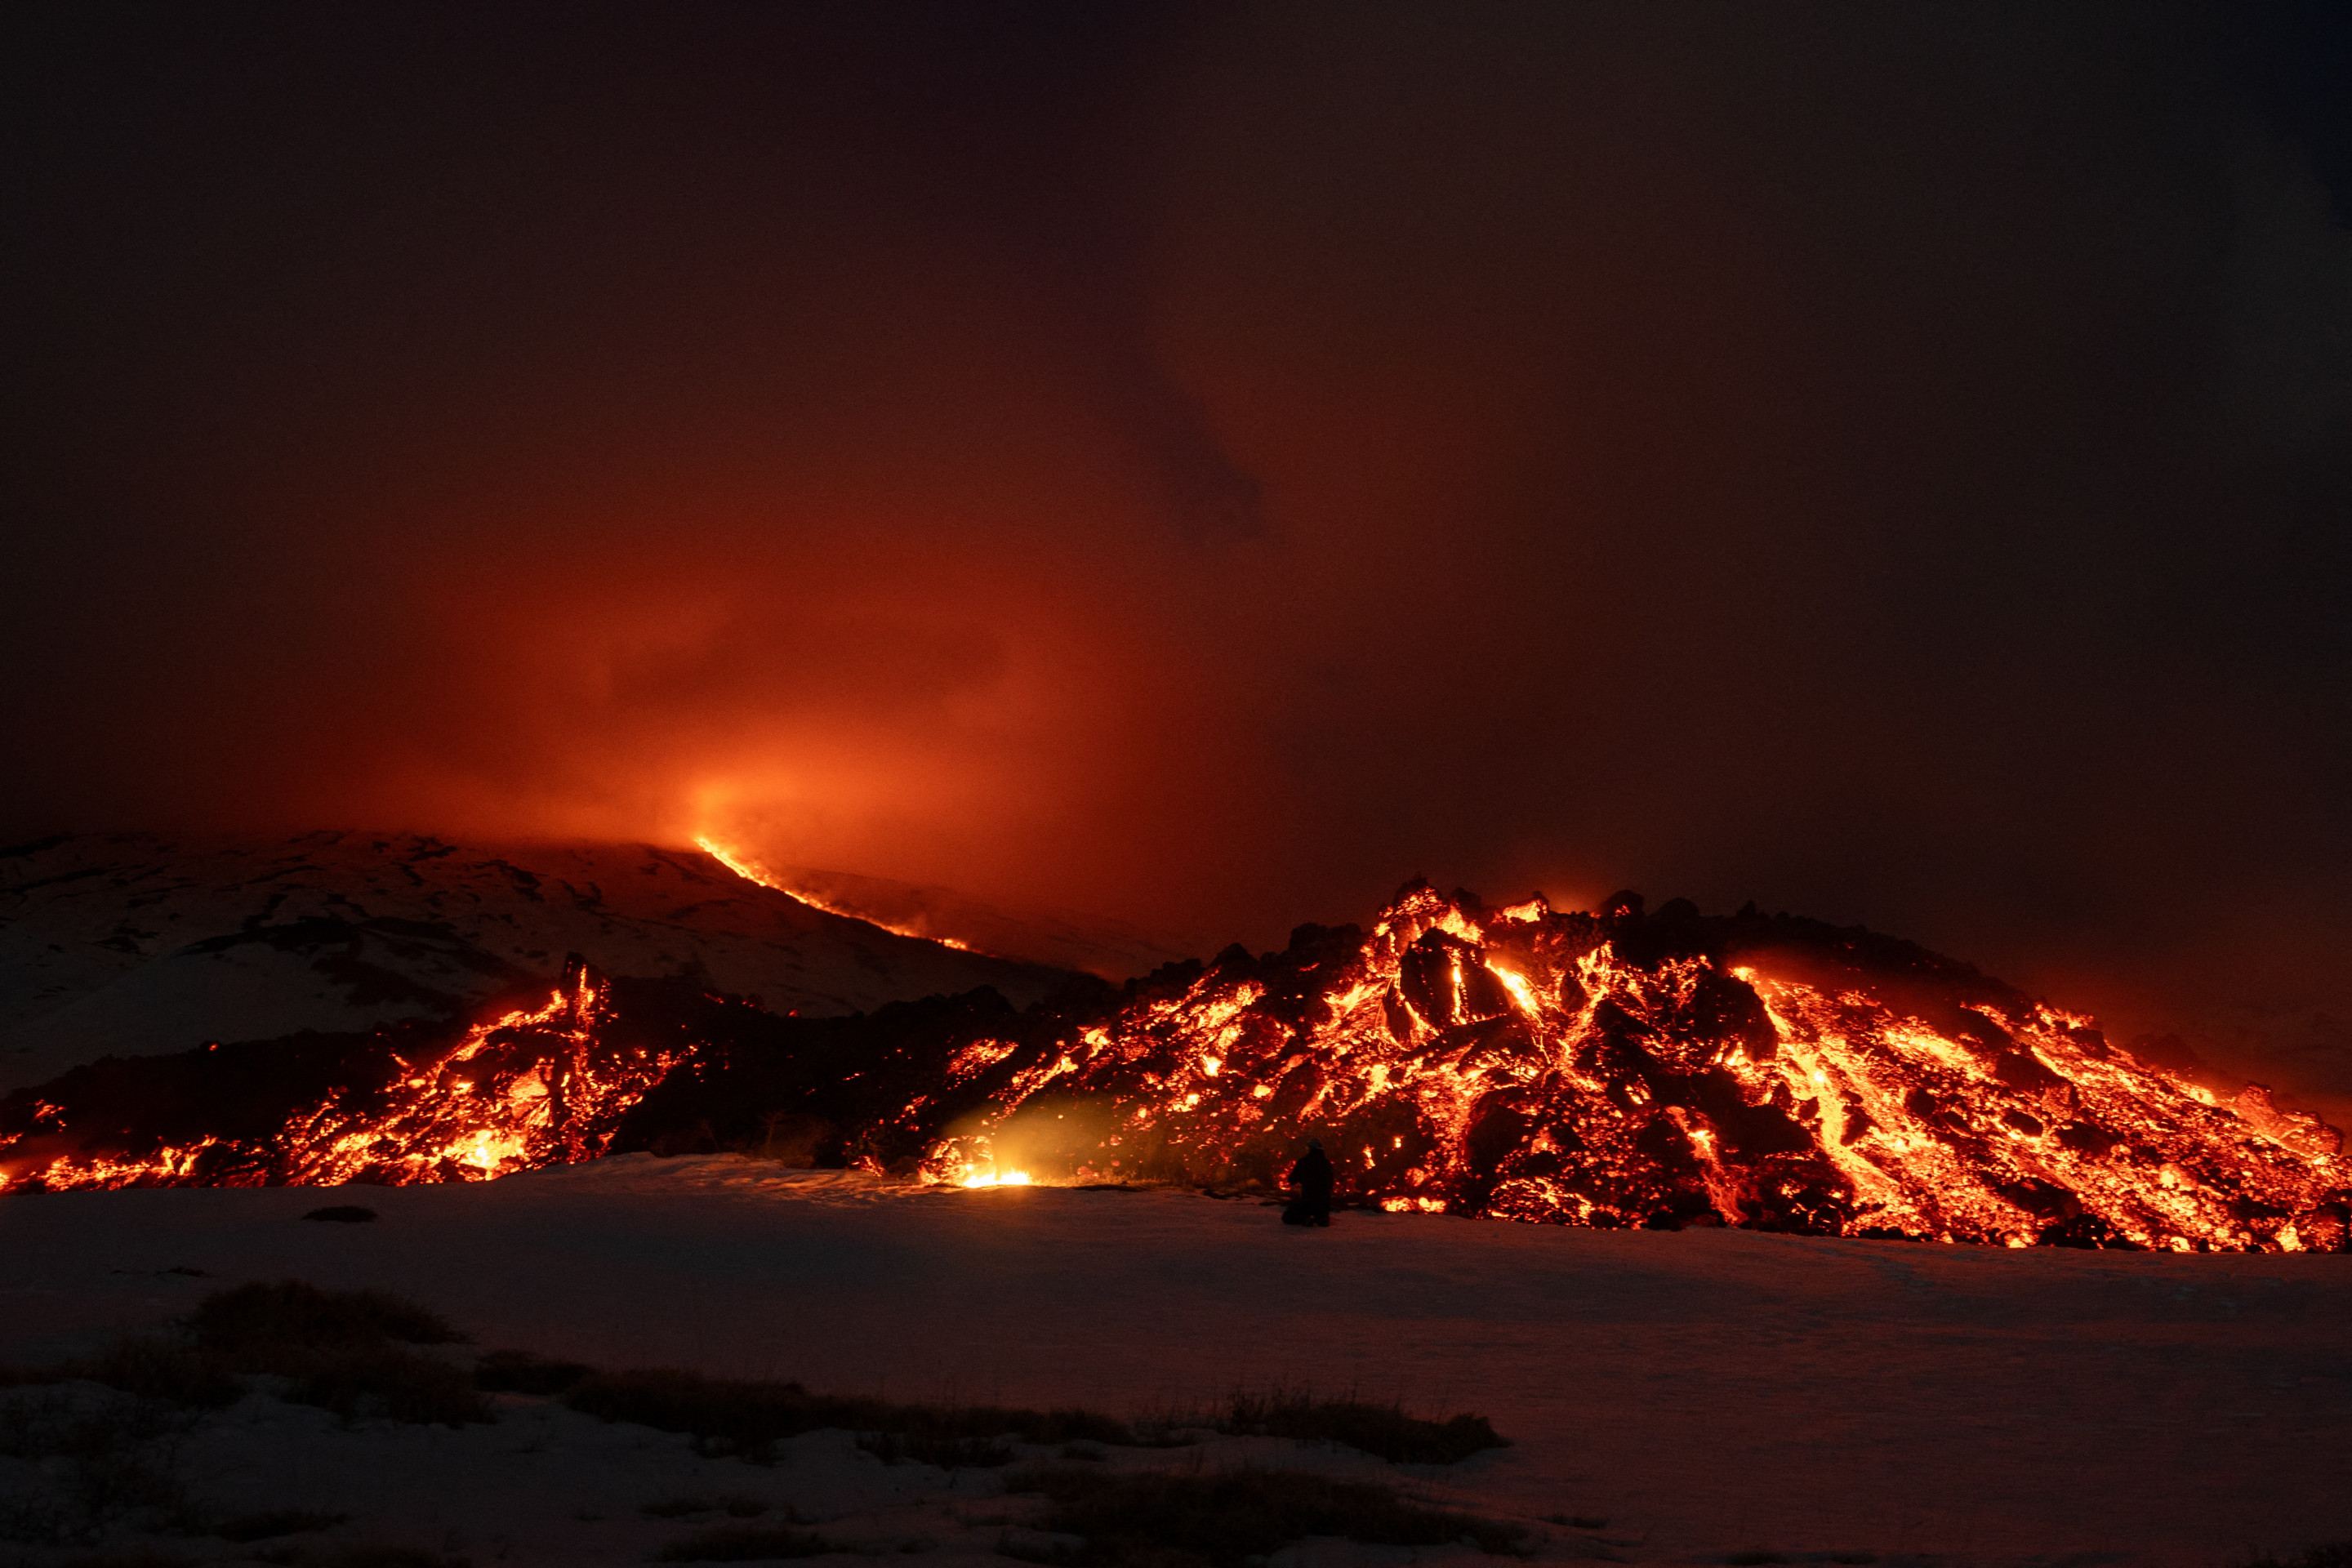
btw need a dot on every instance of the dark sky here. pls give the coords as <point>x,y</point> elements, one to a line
<point>1205,464</point>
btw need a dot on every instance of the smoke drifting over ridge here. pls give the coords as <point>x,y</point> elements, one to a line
<point>1207,465</point>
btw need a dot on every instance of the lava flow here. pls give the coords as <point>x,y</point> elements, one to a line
<point>1622,1068</point>
<point>532,1087</point>
<point>1625,1069</point>
<point>743,865</point>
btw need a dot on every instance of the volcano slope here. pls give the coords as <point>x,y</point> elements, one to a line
<point>131,945</point>
<point>1619,1069</point>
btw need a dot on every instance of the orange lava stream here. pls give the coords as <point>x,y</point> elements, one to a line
<point>750,870</point>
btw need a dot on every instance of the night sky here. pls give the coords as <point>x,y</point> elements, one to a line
<point>1206,464</point>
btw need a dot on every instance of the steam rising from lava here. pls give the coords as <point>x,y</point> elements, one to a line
<point>1613,1069</point>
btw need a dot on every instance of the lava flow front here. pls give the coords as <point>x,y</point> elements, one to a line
<point>531,1087</point>
<point>534,1086</point>
<point>1622,1068</point>
<point>1626,1069</point>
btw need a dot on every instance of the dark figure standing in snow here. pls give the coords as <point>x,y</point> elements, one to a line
<point>1310,1181</point>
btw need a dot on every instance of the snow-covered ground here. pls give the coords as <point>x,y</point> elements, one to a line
<point>1707,1393</point>
<point>129,944</point>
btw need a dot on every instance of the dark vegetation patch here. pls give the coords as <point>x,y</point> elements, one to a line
<point>343,1213</point>
<point>687,1507</point>
<point>1222,1519</point>
<point>520,1372</point>
<point>168,1370</point>
<point>49,1424</point>
<point>344,1351</point>
<point>97,1465</point>
<point>2328,1554</point>
<point>290,1314</point>
<point>271,1523</point>
<point>1382,1430</point>
<point>393,1384</point>
<point>361,1556</point>
<point>340,1349</point>
<point>747,1419</point>
<point>950,1451</point>
<point>744,1543</point>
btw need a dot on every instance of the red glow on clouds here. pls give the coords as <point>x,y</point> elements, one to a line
<point>1145,476</point>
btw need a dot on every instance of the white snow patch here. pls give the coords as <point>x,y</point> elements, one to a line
<point>1706,1393</point>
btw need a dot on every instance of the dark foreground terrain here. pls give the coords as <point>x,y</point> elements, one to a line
<point>1709,1395</point>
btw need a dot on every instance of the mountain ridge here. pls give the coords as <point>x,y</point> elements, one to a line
<point>138,943</point>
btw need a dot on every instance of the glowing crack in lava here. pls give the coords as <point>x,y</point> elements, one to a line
<point>1524,1064</point>
<point>744,865</point>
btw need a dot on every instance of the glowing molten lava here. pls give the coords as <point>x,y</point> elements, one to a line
<point>529,1089</point>
<point>533,1086</point>
<point>744,865</point>
<point>1615,1069</point>
<point>1519,1064</point>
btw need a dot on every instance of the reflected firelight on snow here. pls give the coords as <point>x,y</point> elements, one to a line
<point>974,1178</point>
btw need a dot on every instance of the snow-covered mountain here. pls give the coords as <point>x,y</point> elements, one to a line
<point>131,943</point>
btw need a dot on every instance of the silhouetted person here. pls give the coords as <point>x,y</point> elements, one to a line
<point>1310,1182</point>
